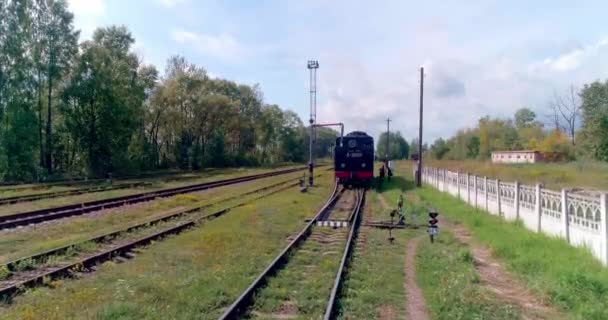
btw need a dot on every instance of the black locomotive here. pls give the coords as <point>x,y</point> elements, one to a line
<point>354,159</point>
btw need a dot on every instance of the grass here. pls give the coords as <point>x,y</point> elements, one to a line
<point>19,243</point>
<point>191,276</point>
<point>156,184</point>
<point>374,285</point>
<point>570,277</point>
<point>587,175</point>
<point>450,283</point>
<point>307,279</point>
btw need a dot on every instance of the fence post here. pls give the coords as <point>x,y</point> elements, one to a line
<point>475,187</point>
<point>485,188</point>
<point>498,196</point>
<point>458,183</point>
<point>468,189</point>
<point>516,203</point>
<point>537,208</point>
<point>604,226</point>
<point>565,222</point>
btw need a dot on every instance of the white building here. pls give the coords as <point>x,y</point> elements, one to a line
<point>517,156</point>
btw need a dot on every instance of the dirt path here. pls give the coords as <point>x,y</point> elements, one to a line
<point>499,281</point>
<point>415,304</point>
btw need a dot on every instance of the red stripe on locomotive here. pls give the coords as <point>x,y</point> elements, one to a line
<point>354,174</point>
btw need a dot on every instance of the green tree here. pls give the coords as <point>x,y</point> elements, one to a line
<point>57,45</point>
<point>524,117</point>
<point>103,99</point>
<point>472,147</point>
<point>17,119</point>
<point>398,147</point>
<point>594,131</point>
<point>439,149</point>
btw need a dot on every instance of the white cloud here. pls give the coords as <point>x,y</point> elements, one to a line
<point>458,91</point>
<point>87,14</point>
<point>87,7</point>
<point>571,60</point>
<point>170,3</point>
<point>222,46</point>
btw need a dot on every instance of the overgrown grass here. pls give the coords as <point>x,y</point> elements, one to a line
<point>306,280</point>
<point>155,184</point>
<point>588,175</point>
<point>570,277</point>
<point>450,283</point>
<point>19,243</point>
<point>191,276</point>
<point>374,287</point>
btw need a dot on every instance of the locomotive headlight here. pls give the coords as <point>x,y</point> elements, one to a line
<point>363,165</point>
<point>343,165</point>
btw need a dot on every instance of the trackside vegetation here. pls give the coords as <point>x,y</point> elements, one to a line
<point>446,273</point>
<point>570,277</point>
<point>374,286</point>
<point>194,275</point>
<point>88,107</point>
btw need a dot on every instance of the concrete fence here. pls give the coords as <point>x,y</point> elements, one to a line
<point>579,218</point>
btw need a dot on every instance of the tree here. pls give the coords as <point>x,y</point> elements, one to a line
<point>439,149</point>
<point>594,131</point>
<point>58,44</point>
<point>414,147</point>
<point>472,147</point>
<point>568,107</point>
<point>103,98</point>
<point>17,119</point>
<point>398,147</point>
<point>524,117</point>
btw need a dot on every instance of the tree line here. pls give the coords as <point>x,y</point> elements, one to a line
<point>93,107</point>
<point>576,126</point>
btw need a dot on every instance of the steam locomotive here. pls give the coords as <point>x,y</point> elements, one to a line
<point>354,159</point>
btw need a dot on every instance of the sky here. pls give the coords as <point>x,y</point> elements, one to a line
<point>480,57</point>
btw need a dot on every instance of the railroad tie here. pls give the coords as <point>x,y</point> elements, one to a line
<point>332,224</point>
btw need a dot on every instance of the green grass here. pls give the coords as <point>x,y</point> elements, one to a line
<point>588,175</point>
<point>450,283</point>
<point>307,279</point>
<point>19,243</point>
<point>191,276</point>
<point>374,286</point>
<point>156,184</point>
<point>570,277</point>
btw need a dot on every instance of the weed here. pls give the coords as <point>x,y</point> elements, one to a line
<point>450,283</point>
<point>192,275</point>
<point>4,272</point>
<point>465,256</point>
<point>25,264</point>
<point>570,277</point>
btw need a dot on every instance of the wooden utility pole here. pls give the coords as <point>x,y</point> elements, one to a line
<point>388,134</point>
<point>419,171</point>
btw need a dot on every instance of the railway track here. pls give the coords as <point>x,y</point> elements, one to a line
<point>43,215</point>
<point>313,253</point>
<point>14,186</point>
<point>65,193</point>
<point>65,260</point>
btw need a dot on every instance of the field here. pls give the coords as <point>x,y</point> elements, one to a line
<point>198,273</point>
<point>193,275</point>
<point>581,174</point>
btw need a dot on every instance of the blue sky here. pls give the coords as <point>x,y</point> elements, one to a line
<point>481,57</point>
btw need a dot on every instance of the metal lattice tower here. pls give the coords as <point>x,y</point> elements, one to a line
<point>313,65</point>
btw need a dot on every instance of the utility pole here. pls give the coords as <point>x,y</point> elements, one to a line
<point>419,171</point>
<point>388,134</point>
<point>313,65</point>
